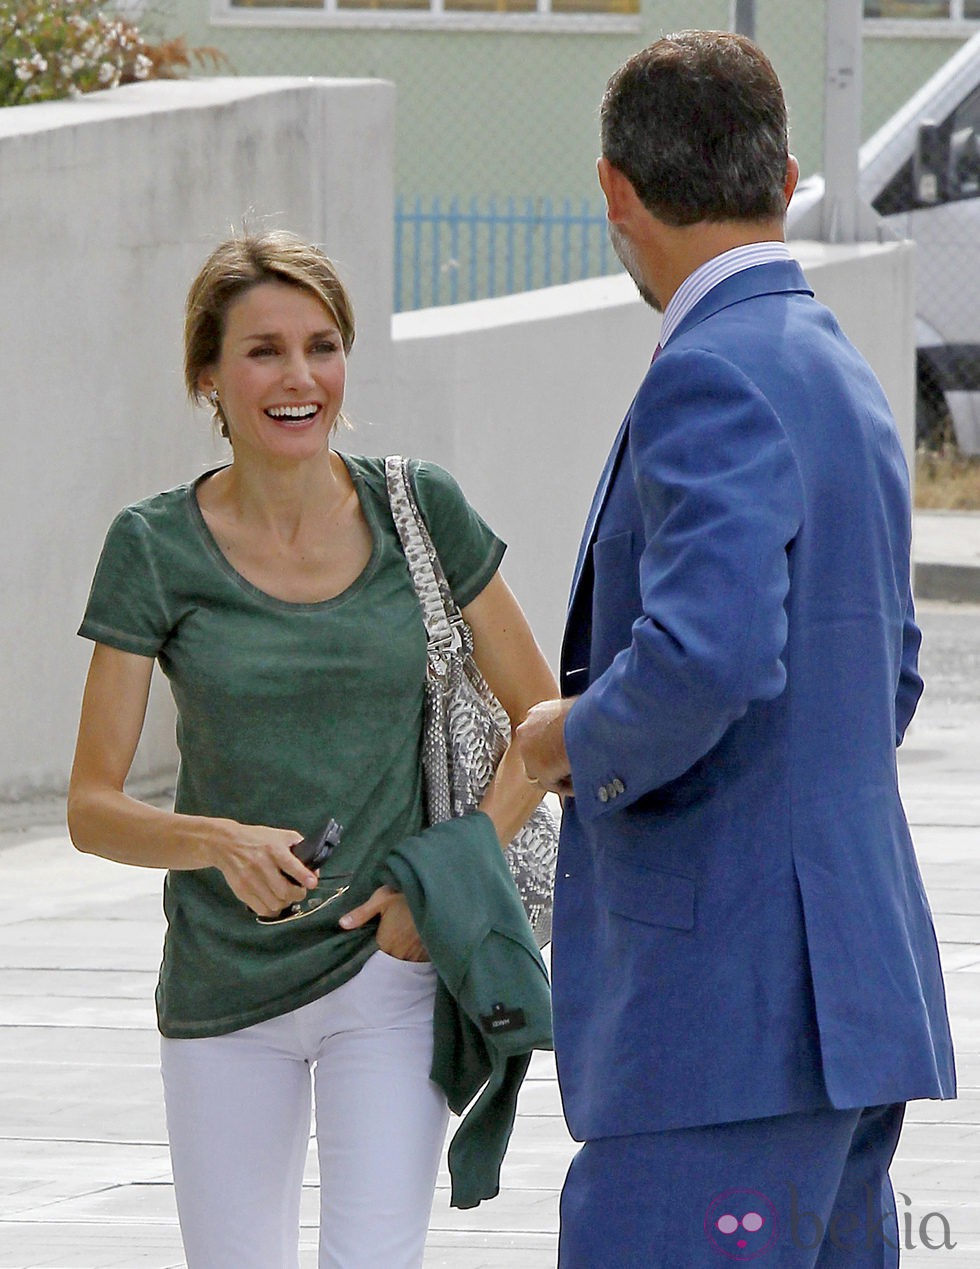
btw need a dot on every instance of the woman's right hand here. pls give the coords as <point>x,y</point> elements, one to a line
<point>253,859</point>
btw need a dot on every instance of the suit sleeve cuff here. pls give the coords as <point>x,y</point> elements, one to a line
<point>598,790</point>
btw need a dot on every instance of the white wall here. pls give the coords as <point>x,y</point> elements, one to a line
<point>521,397</point>
<point>108,207</point>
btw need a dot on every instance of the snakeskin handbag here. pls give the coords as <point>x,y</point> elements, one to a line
<point>466,729</point>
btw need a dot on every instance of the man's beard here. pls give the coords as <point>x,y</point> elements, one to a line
<point>626,252</point>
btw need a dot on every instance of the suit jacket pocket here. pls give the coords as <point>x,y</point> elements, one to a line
<point>647,895</point>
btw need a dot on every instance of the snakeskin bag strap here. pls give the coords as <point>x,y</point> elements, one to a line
<point>466,730</point>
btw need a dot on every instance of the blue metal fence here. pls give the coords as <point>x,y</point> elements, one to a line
<point>445,254</point>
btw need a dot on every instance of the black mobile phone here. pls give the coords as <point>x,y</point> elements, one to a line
<point>318,847</point>
<point>314,851</point>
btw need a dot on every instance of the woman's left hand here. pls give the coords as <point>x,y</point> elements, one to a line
<point>396,934</point>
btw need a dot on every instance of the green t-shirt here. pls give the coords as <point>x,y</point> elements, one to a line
<point>287,714</point>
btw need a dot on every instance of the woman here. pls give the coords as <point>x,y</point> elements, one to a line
<point>275,596</point>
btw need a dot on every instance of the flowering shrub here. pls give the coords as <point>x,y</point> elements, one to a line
<point>63,48</point>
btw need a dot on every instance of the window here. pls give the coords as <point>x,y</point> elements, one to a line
<point>945,168</point>
<point>924,10</point>
<point>448,9</point>
<point>964,160</point>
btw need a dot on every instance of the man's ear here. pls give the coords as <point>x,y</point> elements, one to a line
<point>792,176</point>
<point>618,189</point>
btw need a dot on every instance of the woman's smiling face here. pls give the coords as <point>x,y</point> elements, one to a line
<point>281,374</point>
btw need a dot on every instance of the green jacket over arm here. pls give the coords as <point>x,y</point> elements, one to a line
<point>493,1005</point>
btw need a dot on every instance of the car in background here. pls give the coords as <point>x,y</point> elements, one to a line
<point>920,173</point>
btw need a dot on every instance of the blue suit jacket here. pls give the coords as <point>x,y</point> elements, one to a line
<point>740,925</point>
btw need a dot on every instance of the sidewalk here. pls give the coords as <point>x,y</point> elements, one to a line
<point>84,1172</point>
<point>84,1169</point>
<point>946,549</point>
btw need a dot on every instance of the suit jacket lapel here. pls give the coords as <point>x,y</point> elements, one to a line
<point>578,620</point>
<point>598,498</point>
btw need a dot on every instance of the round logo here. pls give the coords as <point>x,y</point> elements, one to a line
<point>741,1224</point>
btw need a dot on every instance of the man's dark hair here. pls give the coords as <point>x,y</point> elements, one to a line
<point>697,122</point>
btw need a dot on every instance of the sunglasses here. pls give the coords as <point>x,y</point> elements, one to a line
<point>314,851</point>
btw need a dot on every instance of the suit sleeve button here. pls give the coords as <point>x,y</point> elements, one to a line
<point>603,793</point>
<point>618,786</point>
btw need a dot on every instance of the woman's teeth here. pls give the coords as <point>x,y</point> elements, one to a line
<point>292,411</point>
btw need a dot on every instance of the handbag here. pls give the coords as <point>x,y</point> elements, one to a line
<point>465,728</point>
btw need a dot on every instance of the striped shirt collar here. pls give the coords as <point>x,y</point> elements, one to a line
<point>695,287</point>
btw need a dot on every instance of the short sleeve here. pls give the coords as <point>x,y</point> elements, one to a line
<point>126,606</point>
<point>468,548</point>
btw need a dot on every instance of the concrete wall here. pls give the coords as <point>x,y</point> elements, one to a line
<point>521,397</point>
<point>109,205</point>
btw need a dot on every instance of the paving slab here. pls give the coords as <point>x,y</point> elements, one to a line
<point>946,537</point>
<point>946,552</point>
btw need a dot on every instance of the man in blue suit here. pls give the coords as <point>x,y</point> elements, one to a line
<point>746,981</point>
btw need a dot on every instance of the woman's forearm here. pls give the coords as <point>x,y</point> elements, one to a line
<point>510,797</point>
<point>110,823</point>
<point>256,860</point>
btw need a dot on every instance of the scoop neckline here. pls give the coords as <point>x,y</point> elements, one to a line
<point>256,592</point>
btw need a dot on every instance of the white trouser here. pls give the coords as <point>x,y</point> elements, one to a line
<point>238,1115</point>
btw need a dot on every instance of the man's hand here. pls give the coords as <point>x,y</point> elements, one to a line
<point>540,741</point>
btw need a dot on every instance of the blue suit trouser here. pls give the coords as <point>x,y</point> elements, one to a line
<point>801,1191</point>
